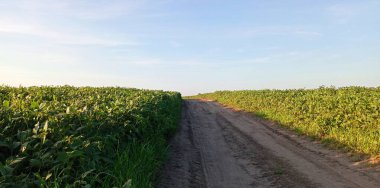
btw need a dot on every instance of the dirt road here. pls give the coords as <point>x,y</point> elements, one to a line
<point>219,147</point>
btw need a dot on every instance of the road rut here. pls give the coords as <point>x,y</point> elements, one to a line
<point>220,147</point>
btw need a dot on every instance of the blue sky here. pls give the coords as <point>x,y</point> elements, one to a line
<point>191,46</point>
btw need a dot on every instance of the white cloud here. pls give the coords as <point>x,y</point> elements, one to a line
<point>175,44</point>
<point>15,76</point>
<point>61,37</point>
<point>103,11</point>
<point>275,30</point>
<point>261,59</point>
<point>291,58</point>
<point>307,33</point>
<point>37,58</point>
<point>343,13</point>
<point>151,62</point>
<point>40,19</point>
<point>86,9</point>
<point>144,62</point>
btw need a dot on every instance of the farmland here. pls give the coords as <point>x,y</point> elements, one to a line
<point>84,137</point>
<point>347,118</point>
<point>68,136</point>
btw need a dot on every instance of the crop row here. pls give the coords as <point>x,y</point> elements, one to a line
<point>84,137</point>
<point>346,117</point>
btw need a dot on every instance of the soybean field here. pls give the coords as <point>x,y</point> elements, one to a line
<point>84,136</point>
<point>347,118</point>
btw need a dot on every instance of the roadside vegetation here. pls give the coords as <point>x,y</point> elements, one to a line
<point>84,137</point>
<point>346,118</point>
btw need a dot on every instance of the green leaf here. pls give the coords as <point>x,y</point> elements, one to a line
<point>6,104</point>
<point>35,163</point>
<point>75,153</point>
<point>3,144</point>
<point>6,170</point>
<point>42,105</point>
<point>46,155</point>
<point>48,176</point>
<point>86,173</point>
<point>46,126</point>
<point>36,127</point>
<point>15,145</point>
<point>16,160</point>
<point>127,184</point>
<point>62,156</point>
<point>34,105</point>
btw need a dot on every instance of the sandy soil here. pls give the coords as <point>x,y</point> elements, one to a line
<point>220,147</point>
